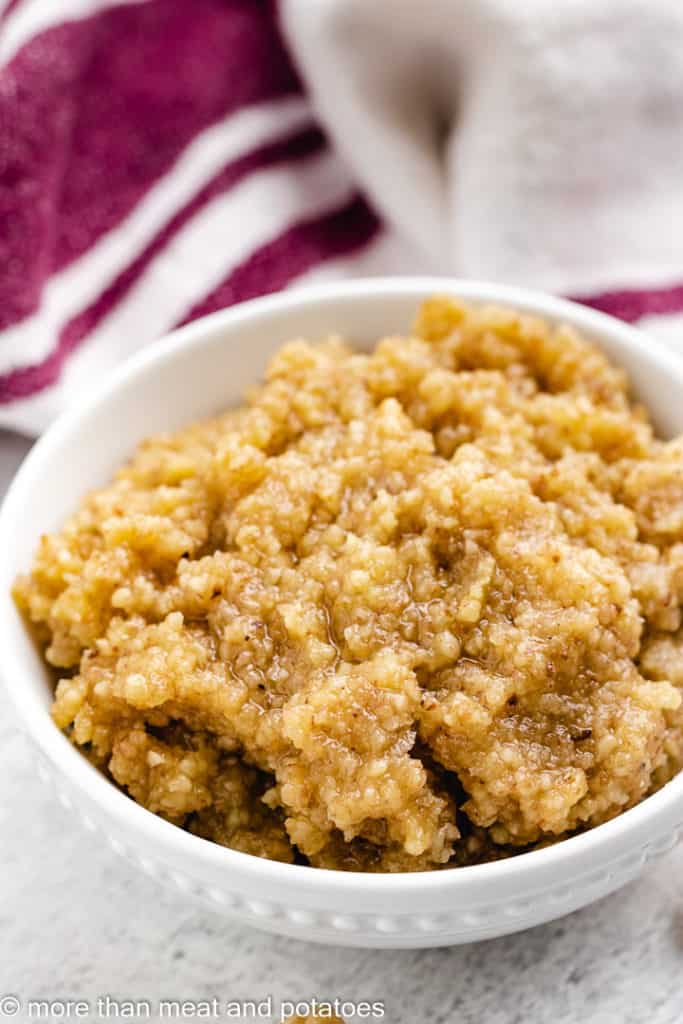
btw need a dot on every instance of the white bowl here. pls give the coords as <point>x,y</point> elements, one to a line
<point>199,370</point>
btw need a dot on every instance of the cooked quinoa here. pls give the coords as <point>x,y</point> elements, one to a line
<point>403,610</point>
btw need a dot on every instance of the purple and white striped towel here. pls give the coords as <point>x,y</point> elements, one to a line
<point>160,159</point>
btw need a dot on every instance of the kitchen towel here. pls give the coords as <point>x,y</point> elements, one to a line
<point>160,159</point>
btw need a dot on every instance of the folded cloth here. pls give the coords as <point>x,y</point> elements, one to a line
<point>160,159</point>
<point>532,142</point>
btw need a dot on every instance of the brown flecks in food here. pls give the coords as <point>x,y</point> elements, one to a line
<point>404,610</point>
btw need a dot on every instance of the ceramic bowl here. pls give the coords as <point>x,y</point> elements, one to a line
<point>200,370</point>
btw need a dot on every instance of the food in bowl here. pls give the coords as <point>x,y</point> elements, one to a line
<point>403,610</point>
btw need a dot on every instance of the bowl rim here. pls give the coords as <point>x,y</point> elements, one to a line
<point>87,780</point>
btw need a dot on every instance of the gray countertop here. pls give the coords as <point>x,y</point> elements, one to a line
<point>78,923</point>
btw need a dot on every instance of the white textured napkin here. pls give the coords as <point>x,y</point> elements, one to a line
<point>530,141</point>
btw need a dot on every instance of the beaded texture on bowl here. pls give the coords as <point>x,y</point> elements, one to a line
<point>385,930</point>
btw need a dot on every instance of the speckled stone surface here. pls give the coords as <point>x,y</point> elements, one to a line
<point>77,922</point>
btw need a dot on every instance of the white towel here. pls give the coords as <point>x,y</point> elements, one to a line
<point>159,160</point>
<point>531,142</point>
